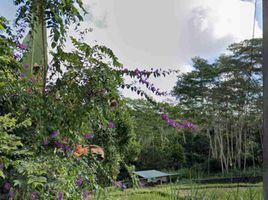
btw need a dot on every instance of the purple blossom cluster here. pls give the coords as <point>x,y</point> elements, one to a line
<point>79,181</point>
<point>34,195</point>
<point>60,195</point>
<point>62,146</point>
<point>45,142</point>
<point>88,136</point>
<point>2,165</point>
<point>22,75</point>
<point>58,144</point>
<point>7,186</point>
<point>176,124</point>
<point>21,46</point>
<point>55,134</point>
<point>12,194</point>
<point>111,125</point>
<point>86,195</point>
<point>9,193</point>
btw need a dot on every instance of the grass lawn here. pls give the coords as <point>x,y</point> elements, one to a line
<point>187,191</point>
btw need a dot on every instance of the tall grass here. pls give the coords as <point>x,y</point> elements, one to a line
<point>191,191</point>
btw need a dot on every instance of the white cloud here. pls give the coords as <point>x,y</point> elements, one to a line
<point>167,34</point>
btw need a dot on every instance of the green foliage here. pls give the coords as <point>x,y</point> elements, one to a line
<point>177,155</point>
<point>161,146</point>
<point>57,16</point>
<point>39,133</point>
<point>180,191</point>
<point>225,99</point>
<point>9,144</point>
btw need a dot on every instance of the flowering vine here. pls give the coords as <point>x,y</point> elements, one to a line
<point>178,124</point>
<point>143,76</point>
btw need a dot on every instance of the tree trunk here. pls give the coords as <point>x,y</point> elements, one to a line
<point>245,150</point>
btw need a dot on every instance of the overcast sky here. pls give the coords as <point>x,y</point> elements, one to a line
<point>165,33</point>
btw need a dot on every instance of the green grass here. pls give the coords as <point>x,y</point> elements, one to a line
<point>187,192</point>
<point>196,173</point>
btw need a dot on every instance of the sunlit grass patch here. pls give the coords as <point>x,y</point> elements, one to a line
<point>232,191</point>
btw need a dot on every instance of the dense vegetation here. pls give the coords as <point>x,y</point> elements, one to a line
<point>225,99</point>
<point>66,132</point>
<point>46,138</point>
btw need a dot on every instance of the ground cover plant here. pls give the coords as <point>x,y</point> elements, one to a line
<point>188,191</point>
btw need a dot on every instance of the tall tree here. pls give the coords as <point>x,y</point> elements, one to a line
<point>226,98</point>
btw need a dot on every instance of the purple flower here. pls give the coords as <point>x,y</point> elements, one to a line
<point>79,181</point>
<point>165,117</point>
<point>187,124</point>
<point>172,123</point>
<point>190,125</point>
<point>16,56</point>
<point>67,148</point>
<point>59,145</point>
<point>12,194</point>
<point>137,72</point>
<point>125,70</point>
<point>178,125</point>
<point>86,194</point>
<point>181,126</point>
<point>60,195</point>
<point>34,195</point>
<point>2,165</point>
<point>55,134</point>
<point>21,46</point>
<point>45,142</point>
<point>22,75</point>
<point>111,125</point>
<point>7,186</point>
<point>88,136</point>
<point>26,65</point>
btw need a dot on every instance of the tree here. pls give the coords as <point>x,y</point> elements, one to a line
<point>162,146</point>
<point>83,108</point>
<point>225,97</point>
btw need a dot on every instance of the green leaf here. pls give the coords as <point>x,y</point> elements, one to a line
<point>2,174</point>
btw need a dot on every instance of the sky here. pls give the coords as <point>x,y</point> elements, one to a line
<point>165,33</point>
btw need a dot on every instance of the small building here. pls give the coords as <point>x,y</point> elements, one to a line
<point>152,176</point>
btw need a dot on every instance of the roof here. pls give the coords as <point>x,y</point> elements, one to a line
<point>151,174</point>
